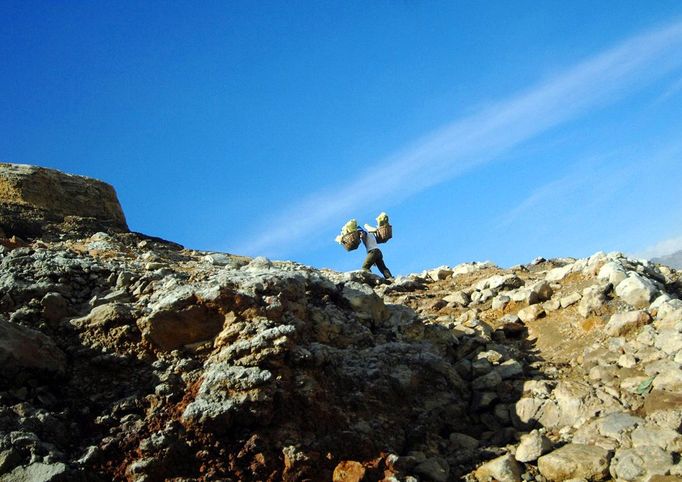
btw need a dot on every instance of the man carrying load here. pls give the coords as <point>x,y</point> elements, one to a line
<point>374,254</point>
<point>351,235</point>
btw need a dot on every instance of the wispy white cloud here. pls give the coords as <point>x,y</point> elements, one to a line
<point>662,248</point>
<point>480,138</point>
<point>674,89</point>
<point>593,175</point>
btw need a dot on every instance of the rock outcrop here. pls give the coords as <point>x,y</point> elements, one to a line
<point>131,358</point>
<point>35,202</point>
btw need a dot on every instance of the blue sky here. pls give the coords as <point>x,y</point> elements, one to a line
<point>487,130</point>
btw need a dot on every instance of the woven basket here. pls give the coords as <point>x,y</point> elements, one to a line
<point>351,241</point>
<point>384,233</point>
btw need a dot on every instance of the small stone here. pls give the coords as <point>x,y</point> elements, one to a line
<point>531,313</point>
<point>464,441</point>
<point>532,446</point>
<point>488,381</point>
<point>569,300</point>
<point>640,463</point>
<point>509,369</point>
<point>575,460</point>
<point>348,471</point>
<point>551,305</point>
<point>543,290</point>
<point>627,361</point>
<point>502,469</point>
<point>557,274</point>
<point>500,301</point>
<point>55,307</point>
<point>669,341</point>
<point>593,298</point>
<point>651,435</point>
<point>435,469</point>
<point>440,273</point>
<point>459,298</point>
<point>613,272</point>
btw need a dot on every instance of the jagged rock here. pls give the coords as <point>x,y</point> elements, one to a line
<point>612,272</point>
<point>106,316</point>
<point>365,301</point>
<point>231,394</point>
<point>640,464</point>
<point>440,273</point>
<point>500,301</point>
<point>527,411</point>
<point>593,298</point>
<point>9,459</point>
<point>458,298</point>
<point>621,323</point>
<point>636,290</point>
<point>497,282</point>
<point>669,379</point>
<point>32,199</point>
<point>509,369</point>
<point>558,274</point>
<point>542,290</point>
<point>651,435</point>
<point>22,348</point>
<point>618,426</point>
<point>575,461</point>
<point>627,361</point>
<point>532,446</point>
<point>36,472</point>
<point>531,313</point>
<point>488,381</point>
<point>502,469</point>
<point>482,296</point>
<point>669,341</point>
<point>55,307</point>
<point>180,319</point>
<point>570,300</point>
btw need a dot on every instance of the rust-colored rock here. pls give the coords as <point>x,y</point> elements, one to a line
<point>349,471</point>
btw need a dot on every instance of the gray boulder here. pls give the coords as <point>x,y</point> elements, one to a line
<point>36,472</point>
<point>640,463</point>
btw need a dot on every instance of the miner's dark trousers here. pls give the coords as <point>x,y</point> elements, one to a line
<point>374,257</point>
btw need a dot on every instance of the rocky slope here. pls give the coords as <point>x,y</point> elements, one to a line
<point>130,358</point>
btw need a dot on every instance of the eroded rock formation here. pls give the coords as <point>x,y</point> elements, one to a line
<point>35,202</point>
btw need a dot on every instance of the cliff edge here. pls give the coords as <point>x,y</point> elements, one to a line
<point>36,201</point>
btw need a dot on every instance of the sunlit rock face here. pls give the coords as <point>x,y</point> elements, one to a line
<point>36,201</point>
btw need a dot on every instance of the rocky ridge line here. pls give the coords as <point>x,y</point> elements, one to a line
<point>131,358</point>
